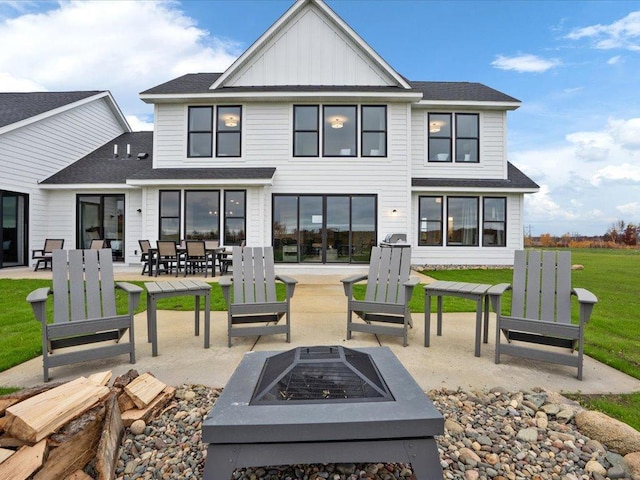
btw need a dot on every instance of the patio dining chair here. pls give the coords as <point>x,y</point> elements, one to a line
<point>43,255</point>
<point>385,308</point>
<point>97,244</point>
<point>168,257</point>
<point>145,255</point>
<point>196,257</point>
<point>541,310</point>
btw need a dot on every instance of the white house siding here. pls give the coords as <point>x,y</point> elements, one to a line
<point>170,136</point>
<point>479,256</point>
<point>310,51</point>
<point>492,148</point>
<point>36,151</point>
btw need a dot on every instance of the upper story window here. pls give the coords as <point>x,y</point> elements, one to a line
<point>442,133</point>
<point>374,131</point>
<point>228,131</point>
<point>339,131</point>
<point>306,131</point>
<point>228,128</point>
<point>200,131</point>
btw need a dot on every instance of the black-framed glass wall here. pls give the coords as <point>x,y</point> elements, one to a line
<point>14,232</point>
<point>201,215</point>
<point>101,217</point>
<point>324,228</point>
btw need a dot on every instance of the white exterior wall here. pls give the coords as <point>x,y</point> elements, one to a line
<point>492,148</point>
<point>36,151</point>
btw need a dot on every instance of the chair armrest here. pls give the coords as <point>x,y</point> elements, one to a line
<point>587,300</point>
<point>225,284</point>
<point>412,282</point>
<point>348,282</point>
<point>499,289</point>
<point>40,251</point>
<point>38,301</point>
<point>133,292</point>
<point>290,283</point>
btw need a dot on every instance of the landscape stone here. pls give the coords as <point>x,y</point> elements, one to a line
<point>616,435</point>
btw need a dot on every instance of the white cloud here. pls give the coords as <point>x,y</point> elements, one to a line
<point>625,172</point>
<point>623,33</point>
<point>631,209</point>
<point>626,132</point>
<point>137,124</point>
<point>9,83</point>
<point>89,45</point>
<point>525,63</point>
<point>614,60</point>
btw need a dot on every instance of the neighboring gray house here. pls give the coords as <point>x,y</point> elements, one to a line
<point>312,143</point>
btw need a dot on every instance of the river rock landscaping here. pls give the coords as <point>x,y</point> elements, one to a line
<point>497,435</point>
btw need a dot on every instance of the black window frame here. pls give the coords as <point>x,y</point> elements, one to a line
<point>199,132</point>
<point>232,216</point>
<point>161,216</point>
<point>458,137</point>
<point>237,130</point>
<point>316,131</point>
<point>326,122</point>
<point>185,213</point>
<point>437,135</point>
<point>424,243</point>
<point>485,221</point>
<point>363,131</point>
<point>476,243</point>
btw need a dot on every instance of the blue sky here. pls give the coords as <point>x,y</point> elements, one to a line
<point>575,65</point>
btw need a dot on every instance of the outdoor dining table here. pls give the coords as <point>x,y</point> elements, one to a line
<point>154,259</point>
<point>471,291</point>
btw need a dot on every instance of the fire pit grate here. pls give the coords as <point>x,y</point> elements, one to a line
<point>320,374</point>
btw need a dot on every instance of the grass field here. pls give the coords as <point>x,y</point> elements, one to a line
<point>612,335</point>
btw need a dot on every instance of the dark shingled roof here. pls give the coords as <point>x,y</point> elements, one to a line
<point>15,107</point>
<point>100,166</point>
<point>199,83</point>
<point>515,179</point>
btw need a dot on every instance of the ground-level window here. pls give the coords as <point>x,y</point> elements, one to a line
<point>202,215</point>
<point>462,221</point>
<point>430,214</point>
<point>234,217</point>
<point>101,217</point>
<point>324,228</point>
<point>169,215</point>
<point>494,222</point>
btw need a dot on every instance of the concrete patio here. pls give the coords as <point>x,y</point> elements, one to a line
<point>319,318</point>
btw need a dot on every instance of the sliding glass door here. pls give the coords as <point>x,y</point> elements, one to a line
<point>13,211</point>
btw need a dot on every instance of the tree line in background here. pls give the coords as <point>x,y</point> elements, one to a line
<point>619,235</point>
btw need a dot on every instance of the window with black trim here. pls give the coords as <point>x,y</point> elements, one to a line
<point>234,217</point>
<point>374,131</point>
<point>169,215</point>
<point>494,221</point>
<point>306,131</point>
<point>202,214</point>
<point>462,221</point>
<point>228,131</point>
<point>340,131</point>
<point>200,139</point>
<point>459,142</point>
<point>430,215</point>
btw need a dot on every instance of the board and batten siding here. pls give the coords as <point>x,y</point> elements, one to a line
<point>458,255</point>
<point>36,151</point>
<point>492,149</point>
<point>310,51</point>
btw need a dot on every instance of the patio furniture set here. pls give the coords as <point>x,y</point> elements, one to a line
<point>188,256</point>
<point>540,305</point>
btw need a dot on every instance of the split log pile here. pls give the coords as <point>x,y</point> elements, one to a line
<point>60,431</point>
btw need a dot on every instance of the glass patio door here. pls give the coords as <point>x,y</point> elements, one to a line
<point>14,229</point>
<point>101,217</point>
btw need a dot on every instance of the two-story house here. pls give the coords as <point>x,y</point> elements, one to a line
<point>310,142</point>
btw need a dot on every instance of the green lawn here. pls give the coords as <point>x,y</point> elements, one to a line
<point>612,335</point>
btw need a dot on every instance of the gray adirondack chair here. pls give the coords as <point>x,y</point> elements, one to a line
<point>541,310</point>
<point>43,255</point>
<point>385,309</point>
<point>84,310</point>
<point>253,309</point>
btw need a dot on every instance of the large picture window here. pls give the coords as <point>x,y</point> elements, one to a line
<point>494,222</point>
<point>374,131</point>
<point>449,142</point>
<point>169,215</point>
<point>462,221</point>
<point>200,131</point>
<point>430,226</point>
<point>306,133</point>
<point>339,134</point>
<point>202,215</point>
<point>234,217</point>
<point>228,131</point>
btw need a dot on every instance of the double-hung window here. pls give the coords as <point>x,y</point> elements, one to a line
<point>200,131</point>
<point>459,141</point>
<point>228,128</point>
<point>494,224</point>
<point>306,131</point>
<point>374,131</point>
<point>169,215</point>
<point>234,217</point>
<point>430,227</point>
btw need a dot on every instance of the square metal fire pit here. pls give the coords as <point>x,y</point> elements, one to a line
<point>321,405</point>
